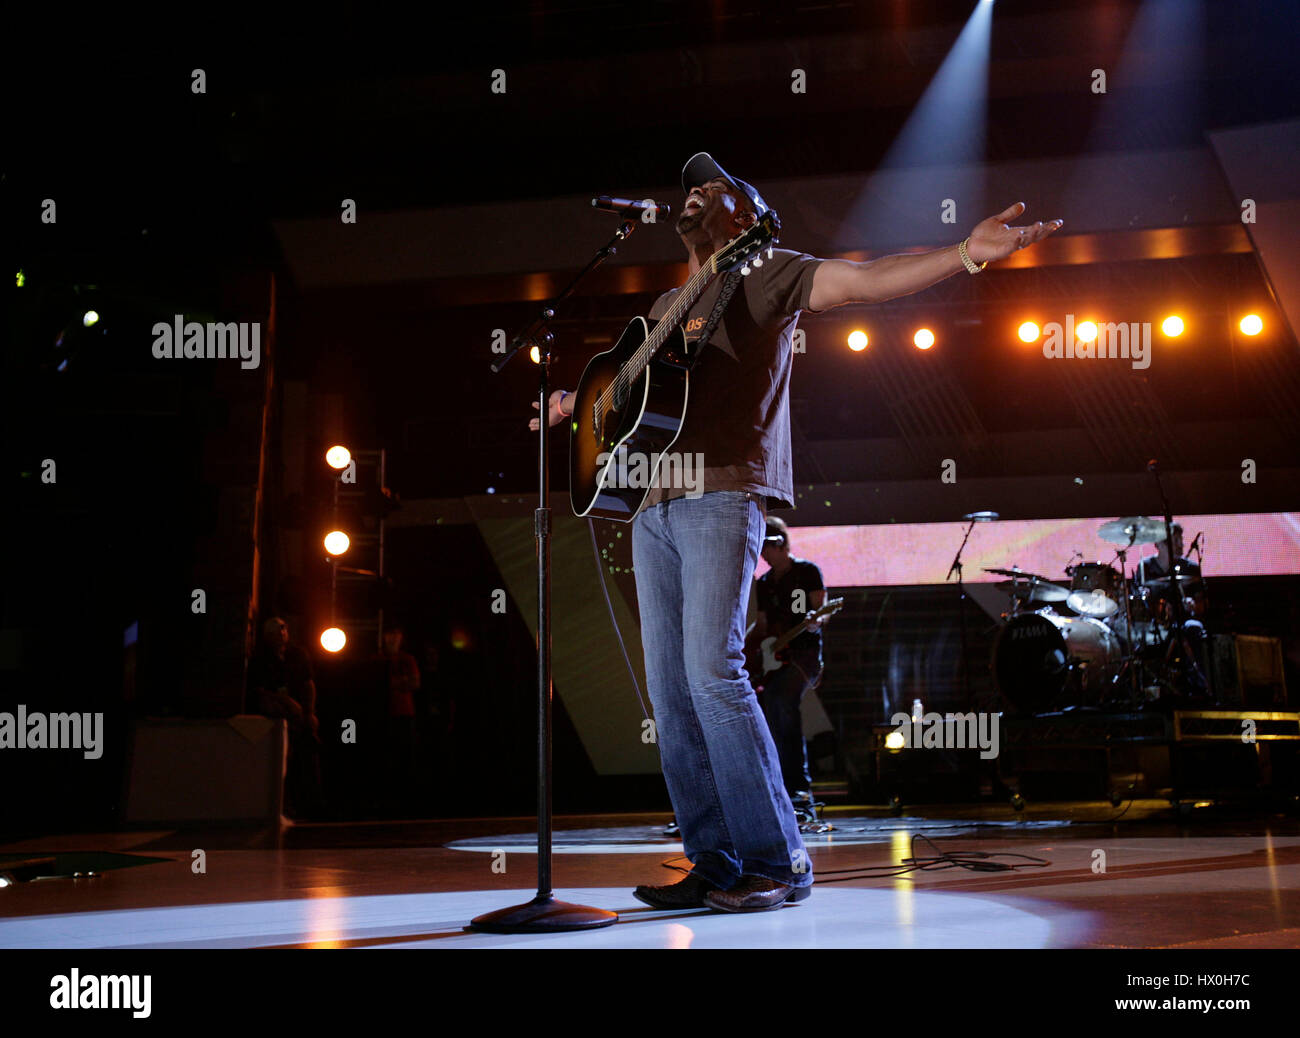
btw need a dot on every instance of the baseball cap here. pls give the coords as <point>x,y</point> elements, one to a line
<point>700,168</point>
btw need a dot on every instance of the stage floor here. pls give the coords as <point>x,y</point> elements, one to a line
<point>1131,882</point>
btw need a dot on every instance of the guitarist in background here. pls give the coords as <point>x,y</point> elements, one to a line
<point>694,549</point>
<point>782,595</point>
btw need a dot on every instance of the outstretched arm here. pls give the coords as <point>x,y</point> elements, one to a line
<point>840,281</point>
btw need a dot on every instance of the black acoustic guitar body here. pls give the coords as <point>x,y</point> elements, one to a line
<point>618,432</point>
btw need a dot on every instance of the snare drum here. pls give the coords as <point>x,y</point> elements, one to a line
<point>1096,590</point>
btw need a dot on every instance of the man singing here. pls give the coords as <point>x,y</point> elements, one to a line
<point>694,553</point>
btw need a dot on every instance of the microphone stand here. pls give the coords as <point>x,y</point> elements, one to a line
<point>544,914</point>
<point>961,611</point>
<point>956,567</point>
<point>973,517</point>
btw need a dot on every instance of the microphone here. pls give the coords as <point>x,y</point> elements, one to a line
<point>626,206</point>
<point>1195,541</point>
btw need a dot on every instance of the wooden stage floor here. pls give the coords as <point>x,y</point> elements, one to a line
<point>1144,879</point>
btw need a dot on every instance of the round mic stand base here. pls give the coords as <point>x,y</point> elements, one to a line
<point>543,914</point>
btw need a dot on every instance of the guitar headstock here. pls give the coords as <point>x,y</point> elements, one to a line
<point>830,608</point>
<point>738,252</point>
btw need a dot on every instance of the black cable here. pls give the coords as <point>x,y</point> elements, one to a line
<point>974,861</point>
<point>600,570</point>
<point>1116,818</point>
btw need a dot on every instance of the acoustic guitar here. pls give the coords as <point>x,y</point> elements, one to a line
<point>630,403</point>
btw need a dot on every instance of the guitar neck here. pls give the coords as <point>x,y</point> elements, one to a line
<point>673,316</point>
<point>826,610</point>
<point>734,254</point>
<point>792,634</point>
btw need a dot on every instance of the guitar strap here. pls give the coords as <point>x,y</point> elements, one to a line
<point>729,285</point>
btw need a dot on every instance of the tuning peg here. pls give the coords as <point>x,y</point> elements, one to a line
<point>744,271</point>
<point>758,261</point>
<point>769,252</point>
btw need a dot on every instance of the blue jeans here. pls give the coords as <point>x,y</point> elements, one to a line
<point>694,560</point>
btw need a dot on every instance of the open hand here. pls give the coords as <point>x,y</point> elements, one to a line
<point>994,239</point>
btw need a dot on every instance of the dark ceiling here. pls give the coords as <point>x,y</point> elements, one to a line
<point>299,107</point>
<point>162,191</point>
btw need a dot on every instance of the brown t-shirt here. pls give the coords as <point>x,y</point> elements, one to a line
<point>738,401</point>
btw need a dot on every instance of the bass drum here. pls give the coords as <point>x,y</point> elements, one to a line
<point>1043,662</point>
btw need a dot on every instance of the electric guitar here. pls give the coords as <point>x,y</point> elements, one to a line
<point>630,403</point>
<point>766,657</point>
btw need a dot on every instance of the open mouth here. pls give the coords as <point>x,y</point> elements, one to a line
<point>693,204</point>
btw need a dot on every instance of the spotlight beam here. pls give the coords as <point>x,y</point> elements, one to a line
<point>944,136</point>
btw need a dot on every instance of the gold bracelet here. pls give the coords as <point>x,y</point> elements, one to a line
<point>967,262</point>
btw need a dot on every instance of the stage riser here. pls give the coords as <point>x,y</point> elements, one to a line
<point>1248,671</point>
<point>228,771</point>
<point>1095,756</point>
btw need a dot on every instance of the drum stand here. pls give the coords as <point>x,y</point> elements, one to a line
<point>1132,661</point>
<point>1180,661</point>
<point>1188,668</point>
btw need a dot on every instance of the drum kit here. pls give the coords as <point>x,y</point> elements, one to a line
<point>1101,638</point>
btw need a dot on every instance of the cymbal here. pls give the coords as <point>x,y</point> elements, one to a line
<point>1136,529</point>
<point>1034,592</point>
<point>1035,589</point>
<point>1183,579</point>
<point>1018,574</point>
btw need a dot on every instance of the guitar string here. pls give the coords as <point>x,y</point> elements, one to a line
<point>676,313</point>
<point>690,292</point>
<point>674,316</point>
